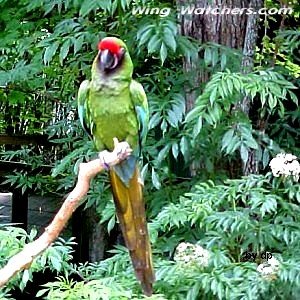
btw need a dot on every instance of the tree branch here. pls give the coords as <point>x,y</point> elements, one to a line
<point>87,171</point>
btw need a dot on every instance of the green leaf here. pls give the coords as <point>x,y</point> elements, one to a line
<point>263,98</point>
<point>25,279</point>
<point>33,233</point>
<point>42,292</point>
<point>207,56</point>
<point>55,260</point>
<point>163,53</point>
<point>184,146</point>
<point>154,44</point>
<point>163,153</point>
<point>251,142</point>
<point>87,6</point>
<point>172,119</point>
<point>230,86</point>
<point>169,39</point>
<point>293,97</point>
<point>76,165</point>
<point>144,29</point>
<point>175,150</point>
<point>193,113</point>
<point>154,120</point>
<point>197,127</point>
<point>272,101</point>
<point>50,52</point>
<point>155,179</point>
<point>224,87</point>
<point>78,43</point>
<point>244,153</point>
<point>64,50</point>
<point>213,96</point>
<point>214,57</point>
<point>227,138</point>
<point>223,61</point>
<point>111,224</point>
<point>247,137</point>
<point>265,158</point>
<point>237,83</point>
<point>125,4</point>
<point>233,145</point>
<point>144,172</point>
<point>164,126</point>
<point>269,205</point>
<point>145,36</point>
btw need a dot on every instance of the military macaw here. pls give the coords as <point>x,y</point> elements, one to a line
<point>110,105</point>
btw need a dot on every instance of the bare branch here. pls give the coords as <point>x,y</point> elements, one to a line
<point>87,171</point>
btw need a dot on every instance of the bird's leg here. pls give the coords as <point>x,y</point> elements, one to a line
<point>104,157</point>
<point>121,151</point>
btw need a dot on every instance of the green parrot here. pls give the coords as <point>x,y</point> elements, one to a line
<point>112,105</point>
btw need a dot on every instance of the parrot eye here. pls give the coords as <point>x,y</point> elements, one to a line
<point>121,53</point>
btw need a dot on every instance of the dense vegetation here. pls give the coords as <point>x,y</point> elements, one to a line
<point>47,48</point>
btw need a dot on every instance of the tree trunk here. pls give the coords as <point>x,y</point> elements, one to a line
<point>251,166</point>
<point>97,235</point>
<point>237,31</point>
<point>224,29</point>
<point>90,235</point>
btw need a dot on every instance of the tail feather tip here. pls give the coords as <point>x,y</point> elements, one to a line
<point>147,289</point>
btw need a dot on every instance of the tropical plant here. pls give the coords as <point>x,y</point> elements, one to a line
<point>47,48</point>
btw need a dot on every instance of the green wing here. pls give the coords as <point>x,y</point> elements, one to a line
<point>83,112</point>
<point>139,100</point>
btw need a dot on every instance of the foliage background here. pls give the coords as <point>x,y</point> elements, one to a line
<point>47,48</point>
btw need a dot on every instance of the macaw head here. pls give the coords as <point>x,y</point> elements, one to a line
<point>111,54</point>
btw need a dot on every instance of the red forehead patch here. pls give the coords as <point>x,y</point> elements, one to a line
<point>110,45</point>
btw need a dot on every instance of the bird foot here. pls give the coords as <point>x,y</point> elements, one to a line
<point>121,151</point>
<point>105,157</point>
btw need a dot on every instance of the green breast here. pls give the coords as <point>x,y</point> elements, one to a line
<point>112,115</point>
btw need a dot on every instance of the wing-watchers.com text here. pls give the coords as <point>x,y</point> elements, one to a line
<point>193,10</point>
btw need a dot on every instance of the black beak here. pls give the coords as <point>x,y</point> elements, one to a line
<point>107,60</point>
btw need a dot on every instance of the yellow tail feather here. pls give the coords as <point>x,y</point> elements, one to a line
<point>131,214</point>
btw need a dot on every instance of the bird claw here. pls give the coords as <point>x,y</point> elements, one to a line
<point>102,158</point>
<point>121,151</point>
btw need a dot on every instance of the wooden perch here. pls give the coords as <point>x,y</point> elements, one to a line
<point>87,171</point>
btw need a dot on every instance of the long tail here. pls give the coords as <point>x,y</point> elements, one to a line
<point>131,214</point>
